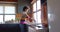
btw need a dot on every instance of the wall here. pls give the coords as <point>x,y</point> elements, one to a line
<point>21,4</point>
<point>54,15</point>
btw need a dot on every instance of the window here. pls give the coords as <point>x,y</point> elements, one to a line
<point>7,13</point>
<point>1,18</point>
<point>9,17</point>
<point>9,10</point>
<point>1,9</point>
<point>37,15</point>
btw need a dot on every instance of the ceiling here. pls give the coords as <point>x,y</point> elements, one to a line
<point>42,1</point>
<point>14,0</point>
<point>10,0</point>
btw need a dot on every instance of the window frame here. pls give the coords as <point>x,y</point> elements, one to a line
<point>38,24</point>
<point>36,10</point>
<point>4,10</point>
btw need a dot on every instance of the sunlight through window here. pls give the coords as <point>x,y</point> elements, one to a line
<point>37,15</point>
<point>11,17</point>
<point>7,13</point>
<point>1,18</point>
<point>9,10</point>
<point>1,9</point>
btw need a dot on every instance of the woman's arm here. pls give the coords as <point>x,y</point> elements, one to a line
<point>30,17</point>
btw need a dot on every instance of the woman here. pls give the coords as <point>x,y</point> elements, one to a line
<point>23,22</point>
<point>25,15</point>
